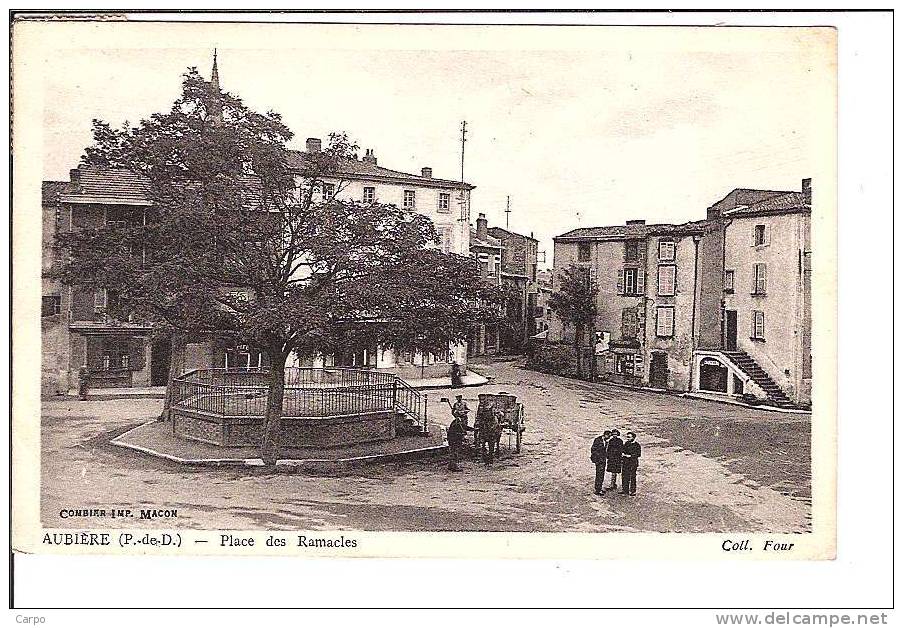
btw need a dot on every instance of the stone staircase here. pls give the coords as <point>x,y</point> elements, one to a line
<point>745,363</point>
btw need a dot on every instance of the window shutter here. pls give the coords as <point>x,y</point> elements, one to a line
<point>641,282</point>
<point>753,289</point>
<point>764,279</point>
<point>752,236</point>
<point>766,237</point>
<point>752,330</point>
<point>621,281</point>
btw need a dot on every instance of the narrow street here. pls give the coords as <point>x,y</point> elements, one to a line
<point>706,467</point>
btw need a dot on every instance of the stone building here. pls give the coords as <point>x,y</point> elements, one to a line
<point>487,250</point>
<point>758,339</point>
<point>519,273</point>
<point>82,328</point>
<point>719,306</point>
<point>647,286</point>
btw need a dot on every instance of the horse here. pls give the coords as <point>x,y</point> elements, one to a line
<point>490,434</point>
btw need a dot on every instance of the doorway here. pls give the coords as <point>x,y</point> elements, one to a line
<point>730,330</point>
<point>161,356</point>
<point>658,370</point>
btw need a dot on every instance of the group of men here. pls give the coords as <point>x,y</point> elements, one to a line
<point>611,454</point>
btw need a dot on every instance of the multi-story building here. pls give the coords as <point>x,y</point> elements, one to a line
<point>646,281</point>
<point>487,250</point>
<point>719,306</point>
<point>82,327</point>
<point>758,340</point>
<point>444,201</point>
<point>519,273</point>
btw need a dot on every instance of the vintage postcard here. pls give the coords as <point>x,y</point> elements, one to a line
<point>423,290</point>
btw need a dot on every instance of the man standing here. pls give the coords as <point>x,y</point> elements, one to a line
<point>455,435</point>
<point>461,412</point>
<point>597,454</point>
<point>631,456</point>
<point>613,458</point>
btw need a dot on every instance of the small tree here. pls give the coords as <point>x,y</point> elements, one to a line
<point>575,303</point>
<point>245,247</point>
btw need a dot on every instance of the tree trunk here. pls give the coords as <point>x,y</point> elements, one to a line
<point>269,446</point>
<point>176,366</point>
<point>578,346</point>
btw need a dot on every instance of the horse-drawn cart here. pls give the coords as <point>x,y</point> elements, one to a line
<point>510,417</point>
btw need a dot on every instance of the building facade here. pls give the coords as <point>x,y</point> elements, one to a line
<point>720,306</point>
<point>484,339</point>
<point>759,340</point>
<point>520,275</point>
<point>646,277</point>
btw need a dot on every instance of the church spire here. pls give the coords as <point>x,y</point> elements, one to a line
<point>214,74</point>
<point>216,109</point>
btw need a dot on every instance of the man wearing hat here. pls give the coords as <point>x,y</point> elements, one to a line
<point>613,458</point>
<point>597,454</point>
<point>460,411</point>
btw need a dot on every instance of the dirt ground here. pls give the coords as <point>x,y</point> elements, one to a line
<point>706,467</point>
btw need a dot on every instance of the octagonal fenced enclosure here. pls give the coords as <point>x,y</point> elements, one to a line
<point>322,407</point>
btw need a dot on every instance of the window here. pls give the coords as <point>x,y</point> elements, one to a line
<point>758,325</point>
<point>631,282</point>
<point>666,251</point>
<point>631,250</point>
<point>328,191</point>
<point>369,195</point>
<point>50,305</point>
<point>444,202</point>
<point>667,280</point>
<point>409,199</point>
<point>664,321</point>
<point>629,323</point>
<point>760,236</point>
<point>583,252</point>
<point>759,282</point>
<point>728,281</point>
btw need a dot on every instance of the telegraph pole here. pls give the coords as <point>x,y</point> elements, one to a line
<point>463,139</point>
<point>507,211</point>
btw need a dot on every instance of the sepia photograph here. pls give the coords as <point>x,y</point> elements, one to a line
<point>336,280</point>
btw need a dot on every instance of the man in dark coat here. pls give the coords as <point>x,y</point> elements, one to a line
<point>631,457</point>
<point>613,458</point>
<point>597,454</point>
<point>455,435</point>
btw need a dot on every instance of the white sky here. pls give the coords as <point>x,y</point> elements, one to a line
<point>634,127</point>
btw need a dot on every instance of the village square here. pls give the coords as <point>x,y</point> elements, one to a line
<point>242,329</point>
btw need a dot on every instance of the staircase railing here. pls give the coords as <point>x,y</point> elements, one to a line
<point>411,403</point>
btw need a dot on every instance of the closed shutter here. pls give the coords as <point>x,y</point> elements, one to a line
<point>640,281</point>
<point>764,277</point>
<point>592,276</point>
<point>752,329</point>
<point>621,281</point>
<point>641,251</point>
<point>767,235</point>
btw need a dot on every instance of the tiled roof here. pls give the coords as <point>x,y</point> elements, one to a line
<point>358,169</point>
<point>51,191</point>
<point>108,185</point>
<point>489,242</point>
<point>622,232</point>
<point>787,203</point>
<point>500,230</point>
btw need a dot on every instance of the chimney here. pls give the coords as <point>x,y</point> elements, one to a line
<point>75,177</point>
<point>807,185</point>
<point>482,227</point>
<point>314,145</point>
<point>426,173</point>
<point>636,222</point>
<point>369,157</point>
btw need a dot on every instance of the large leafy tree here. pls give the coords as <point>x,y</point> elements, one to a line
<point>575,303</point>
<point>242,245</point>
